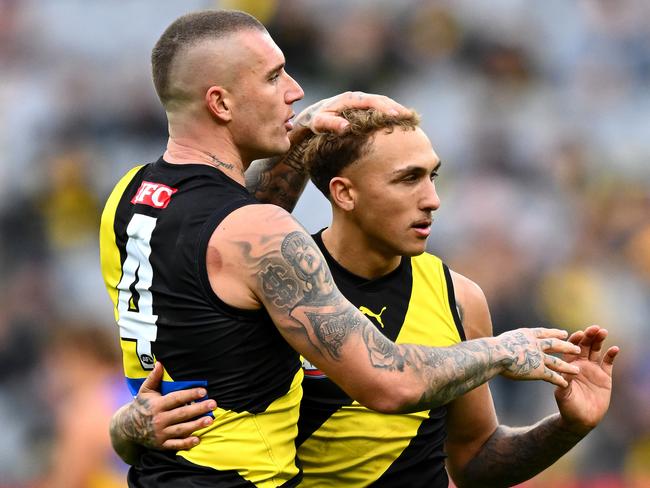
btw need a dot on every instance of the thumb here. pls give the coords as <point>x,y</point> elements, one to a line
<point>152,381</point>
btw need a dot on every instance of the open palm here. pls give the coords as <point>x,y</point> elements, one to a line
<point>585,400</point>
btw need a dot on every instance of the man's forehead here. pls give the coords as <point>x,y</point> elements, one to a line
<point>399,149</point>
<point>237,46</point>
<point>254,42</point>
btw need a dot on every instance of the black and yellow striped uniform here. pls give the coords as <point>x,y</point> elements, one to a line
<point>154,235</point>
<point>341,443</point>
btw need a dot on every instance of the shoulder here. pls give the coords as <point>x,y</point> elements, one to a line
<point>257,219</point>
<point>472,307</point>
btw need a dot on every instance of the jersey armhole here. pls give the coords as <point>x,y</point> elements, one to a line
<point>204,238</point>
<point>451,295</point>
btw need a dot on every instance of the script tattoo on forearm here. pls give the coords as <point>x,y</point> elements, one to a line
<point>332,329</point>
<point>512,455</point>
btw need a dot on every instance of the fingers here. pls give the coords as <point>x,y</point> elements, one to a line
<point>591,343</point>
<point>181,397</point>
<point>174,428</point>
<point>543,332</point>
<point>576,337</point>
<point>558,365</point>
<point>326,116</point>
<point>153,379</point>
<point>559,346</point>
<point>181,432</point>
<point>329,122</point>
<point>554,378</point>
<point>180,444</point>
<point>188,412</point>
<point>597,345</point>
<point>608,359</point>
<point>366,100</point>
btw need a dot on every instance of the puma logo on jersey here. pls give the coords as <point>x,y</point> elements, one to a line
<point>369,313</point>
<point>155,195</point>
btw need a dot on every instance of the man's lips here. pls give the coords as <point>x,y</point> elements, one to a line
<point>422,227</point>
<point>288,124</point>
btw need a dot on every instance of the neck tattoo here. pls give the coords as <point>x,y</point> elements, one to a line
<point>216,162</point>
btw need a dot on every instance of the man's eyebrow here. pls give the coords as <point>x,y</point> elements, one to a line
<point>414,168</point>
<point>276,69</point>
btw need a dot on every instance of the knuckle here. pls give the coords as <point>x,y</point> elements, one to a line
<point>158,422</point>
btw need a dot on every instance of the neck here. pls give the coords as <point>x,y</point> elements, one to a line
<point>353,250</point>
<point>186,151</point>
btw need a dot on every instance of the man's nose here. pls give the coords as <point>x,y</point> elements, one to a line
<point>295,91</point>
<point>431,200</point>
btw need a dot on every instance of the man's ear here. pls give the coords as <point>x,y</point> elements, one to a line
<point>218,101</point>
<point>343,193</point>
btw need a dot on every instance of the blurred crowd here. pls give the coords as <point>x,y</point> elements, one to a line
<point>540,112</point>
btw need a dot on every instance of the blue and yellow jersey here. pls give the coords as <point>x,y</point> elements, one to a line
<point>341,443</point>
<point>155,230</point>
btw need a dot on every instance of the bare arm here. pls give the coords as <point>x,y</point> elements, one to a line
<point>483,453</point>
<point>281,180</point>
<point>321,324</point>
<point>276,263</point>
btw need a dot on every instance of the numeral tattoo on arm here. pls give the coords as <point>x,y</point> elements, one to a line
<point>296,280</point>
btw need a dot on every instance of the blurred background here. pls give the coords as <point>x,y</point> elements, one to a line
<point>540,112</point>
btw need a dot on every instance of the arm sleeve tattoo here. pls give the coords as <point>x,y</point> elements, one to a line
<point>295,280</point>
<point>280,180</point>
<point>512,455</point>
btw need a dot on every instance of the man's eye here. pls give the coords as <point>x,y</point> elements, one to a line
<point>434,175</point>
<point>274,77</point>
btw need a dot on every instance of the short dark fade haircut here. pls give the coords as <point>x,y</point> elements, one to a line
<point>327,155</point>
<point>191,29</point>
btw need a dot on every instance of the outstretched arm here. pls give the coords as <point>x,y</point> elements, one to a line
<point>276,263</point>
<point>484,453</point>
<point>281,180</point>
<point>334,330</point>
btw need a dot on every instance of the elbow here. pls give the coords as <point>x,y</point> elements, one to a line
<point>391,399</point>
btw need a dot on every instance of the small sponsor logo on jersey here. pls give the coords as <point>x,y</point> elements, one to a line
<point>146,359</point>
<point>312,371</point>
<point>155,195</point>
<point>369,313</point>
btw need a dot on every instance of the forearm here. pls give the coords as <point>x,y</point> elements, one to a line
<point>122,427</point>
<point>435,376</point>
<point>280,180</point>
<point>512,455</point>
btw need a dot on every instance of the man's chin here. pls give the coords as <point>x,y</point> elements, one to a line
<point>415,250</point>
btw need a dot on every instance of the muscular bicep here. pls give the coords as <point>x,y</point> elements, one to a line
<point>471,418</point>
<point>265,252</point>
